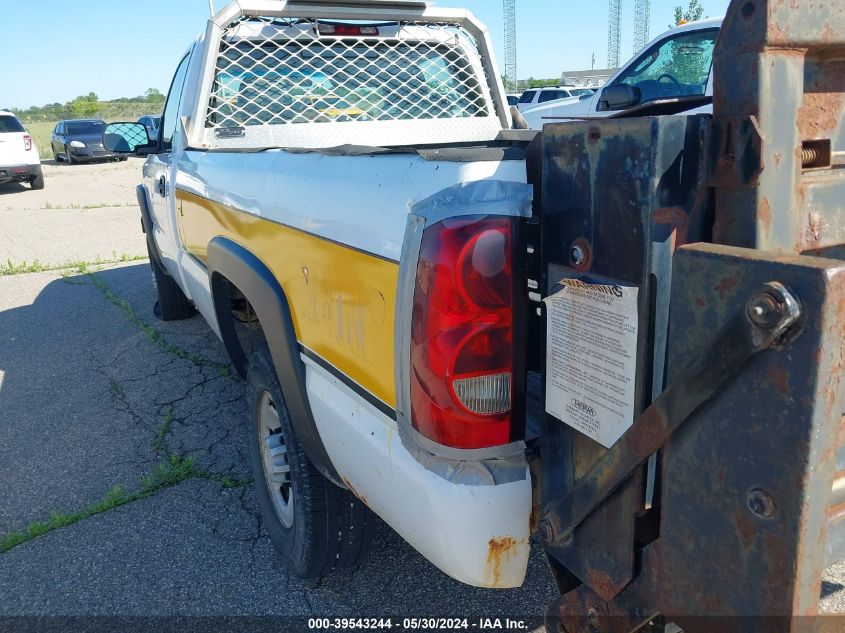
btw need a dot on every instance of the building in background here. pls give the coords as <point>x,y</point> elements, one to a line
<point>586,78</point>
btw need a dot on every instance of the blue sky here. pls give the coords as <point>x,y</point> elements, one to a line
<point>119,48</point>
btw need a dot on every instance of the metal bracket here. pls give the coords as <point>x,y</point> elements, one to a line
<point>769,315</point>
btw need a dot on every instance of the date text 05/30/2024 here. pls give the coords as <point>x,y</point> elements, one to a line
<point>418,624</point>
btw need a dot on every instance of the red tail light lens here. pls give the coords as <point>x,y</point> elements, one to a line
<point>27,142</point>
<point>462,333</point>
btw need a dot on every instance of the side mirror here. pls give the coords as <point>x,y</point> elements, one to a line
<point>127,138</point>
<point>618,97</point>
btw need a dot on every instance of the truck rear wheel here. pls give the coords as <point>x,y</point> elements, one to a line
<point>171,304</point>
<point>315,526</point>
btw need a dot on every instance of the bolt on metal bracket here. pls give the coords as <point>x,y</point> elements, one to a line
<point>772,312</point>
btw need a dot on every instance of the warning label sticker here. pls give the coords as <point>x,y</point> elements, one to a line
<point>591,350</point>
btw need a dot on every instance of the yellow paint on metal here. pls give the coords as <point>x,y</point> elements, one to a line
<point>342,300</point>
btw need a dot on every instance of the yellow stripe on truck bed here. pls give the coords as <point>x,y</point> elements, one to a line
<point>342,300</point>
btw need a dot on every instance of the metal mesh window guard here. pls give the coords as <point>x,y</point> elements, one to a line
<point>272,71</point>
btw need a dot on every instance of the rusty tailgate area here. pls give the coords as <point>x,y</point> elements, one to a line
<point>731,230</point>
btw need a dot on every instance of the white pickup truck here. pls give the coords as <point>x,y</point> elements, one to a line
<point>337,191</point>
<point>672,74</point>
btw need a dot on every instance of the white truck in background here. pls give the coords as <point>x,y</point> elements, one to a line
<point>671,74</point>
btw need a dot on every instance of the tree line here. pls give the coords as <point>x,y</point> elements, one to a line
<point>90,106</point>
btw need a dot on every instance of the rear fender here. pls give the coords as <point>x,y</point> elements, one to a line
<point>230,262</point>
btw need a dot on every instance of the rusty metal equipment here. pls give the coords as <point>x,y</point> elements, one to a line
<point>718,509</point>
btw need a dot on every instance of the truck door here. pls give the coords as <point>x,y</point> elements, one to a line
<point>676,67</point>
<point>157,174</point>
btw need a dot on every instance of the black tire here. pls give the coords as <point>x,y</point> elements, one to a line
<point>122,159</point>
<point>56,156</point>
<point>68,156</point>
<point>37,182</point>
<point>329,528</point>
<point>171,304</point>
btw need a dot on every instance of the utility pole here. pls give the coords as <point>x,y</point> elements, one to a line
<point>509,10</point>
<point>642,21</point>
<point>614,32</point>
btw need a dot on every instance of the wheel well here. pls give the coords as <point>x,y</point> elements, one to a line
<point>240,327</point>
<point>257,282</point>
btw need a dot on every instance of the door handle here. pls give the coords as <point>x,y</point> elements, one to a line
<point>162,186</point>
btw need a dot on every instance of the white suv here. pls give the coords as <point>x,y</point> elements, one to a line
<point>19,160</point>
<point>535,96</point>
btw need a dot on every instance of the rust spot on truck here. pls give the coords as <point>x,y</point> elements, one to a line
<point>677,219</point>
<point>499,551</point>
<point>351,488</point>
<point>602,584</point>
<point>780,378</point>
<point>820,114</point>
<point>727,285</point>
<point>745,528</point>
<point>764,215</point>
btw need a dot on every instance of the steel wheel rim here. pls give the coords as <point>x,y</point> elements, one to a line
<point>274,459</point>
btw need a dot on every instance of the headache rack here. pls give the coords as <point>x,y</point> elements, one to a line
<point>316,75</point>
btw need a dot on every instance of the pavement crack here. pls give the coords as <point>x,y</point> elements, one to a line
<point>154,335</point>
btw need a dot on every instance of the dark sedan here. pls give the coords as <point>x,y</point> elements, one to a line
<point>78,140</point>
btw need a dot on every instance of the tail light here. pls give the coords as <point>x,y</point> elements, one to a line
<point>27,142</point>
<point>466,347</point>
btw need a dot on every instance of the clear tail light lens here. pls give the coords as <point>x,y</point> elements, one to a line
<point>465,358</point>
<point>27,142</point>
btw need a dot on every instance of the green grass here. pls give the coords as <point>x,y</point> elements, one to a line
<point>95,205</point>
<point>174,470</point>
<point>169,473</point>
<point>160,440</point>
<point>41,132</point>
<point>19,268</point>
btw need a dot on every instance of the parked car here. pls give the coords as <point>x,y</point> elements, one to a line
<point>534,96</point>
<point>675,66</point>
<point>513,99</point>
<point>152,124</point>
<point>19,160</point>
<point>77,140</point>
